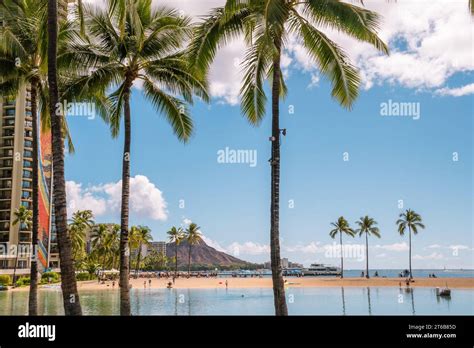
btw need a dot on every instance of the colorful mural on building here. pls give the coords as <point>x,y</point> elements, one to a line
<point>44,197</point>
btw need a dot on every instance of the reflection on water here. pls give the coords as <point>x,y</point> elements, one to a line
<point>368,300</point>
<point>306,301</point>
<point>343,301</point>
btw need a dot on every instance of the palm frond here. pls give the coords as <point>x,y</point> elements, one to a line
<point>355,21</point>
<point>173,109</point>
<point>333,63</point>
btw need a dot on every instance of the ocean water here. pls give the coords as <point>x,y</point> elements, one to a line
<point>301,301</point>
<point>417,273</point>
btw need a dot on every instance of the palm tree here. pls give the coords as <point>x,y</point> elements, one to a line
<point>23,216</point>
<point>81,221</point>
<point>72,305</point>
<point>193,237</point>
<point>127,43</point>
<point>175,235</point>
<point>265,26</point>
<point>341,226</point>
<point>21,41</point>
<point>23,50</point>
<point>115,232</point>
<point>411,220</point>
<point>367,226</point>
<point>101,242</point>
<point>144,238</point>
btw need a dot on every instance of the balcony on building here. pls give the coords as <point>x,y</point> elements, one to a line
<point>5,184</point>
<point>8,122</point>
<point>7,143</point>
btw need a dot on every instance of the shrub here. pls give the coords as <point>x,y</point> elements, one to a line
<point>53,275</point>
<point>85,276</point>
<point>23,281</point>
<point>5,280</point>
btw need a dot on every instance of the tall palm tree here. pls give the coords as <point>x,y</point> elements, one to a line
<point>144,238</point>
<point>23,216</point>
<point>266,26</point>
<point>132,42</point>
<point>341,226</point>
<point>175,235</point>
<point>21,41</point>
<point>71,302</point>
<point>368,227</point>
<point>23,53</point>
<point>193,237</point>
<point>411,220</point>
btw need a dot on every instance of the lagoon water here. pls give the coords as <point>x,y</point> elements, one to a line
<point>301,301</point>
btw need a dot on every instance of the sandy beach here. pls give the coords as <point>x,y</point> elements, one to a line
<point>212,283</point>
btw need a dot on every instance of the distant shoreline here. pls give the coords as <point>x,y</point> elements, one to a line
<point>292,282</point>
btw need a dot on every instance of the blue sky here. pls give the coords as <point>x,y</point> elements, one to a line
<point>389,159</point>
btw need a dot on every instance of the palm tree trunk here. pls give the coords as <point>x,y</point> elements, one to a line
<point>16,263</point>
<point>72,305</point>
<point>366,256</point>
<point>137,266</point>
<point>277,276</point>
<point>342,256</point>
<point>33,294</point>
<point>175,259</point>
<point>189,260</point>
<point>409,252</point>
<point>124,249</point>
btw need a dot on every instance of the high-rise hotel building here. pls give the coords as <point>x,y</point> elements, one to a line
<point>16,159</point>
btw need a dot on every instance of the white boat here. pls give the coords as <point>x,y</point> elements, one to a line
<point>316,269</point>
<point>446,292</point>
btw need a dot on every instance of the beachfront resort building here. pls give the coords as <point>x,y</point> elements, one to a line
<point>285,263</point>
<point>16,160</point>
<point>158,247</point>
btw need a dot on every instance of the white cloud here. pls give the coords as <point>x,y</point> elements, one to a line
<point>432,256</point>
<point>433,246</point>
<point>393,247</point>
<point>458,247</point>
<point>249,248</point>
<point>186,221</point>
<point>311,248</point>
<point>456,92</point>
<point>83,199</point>
<point>213,243</point>
<point>146,200</point>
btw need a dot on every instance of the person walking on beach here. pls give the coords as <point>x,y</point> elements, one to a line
<point>144,284</point>
<point>226,284</point>
<point>149,283</point>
